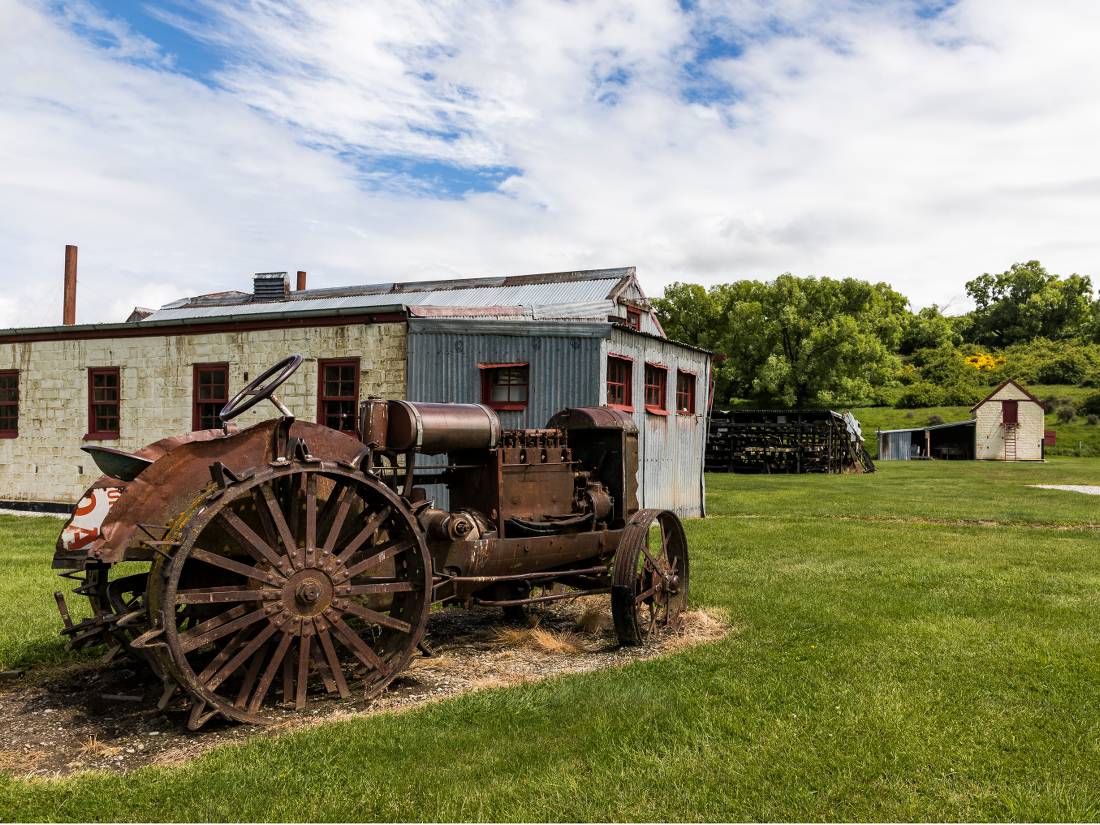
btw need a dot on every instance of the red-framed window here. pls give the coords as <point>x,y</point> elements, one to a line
<point>685,392</point>
<point>338,393</point>
<point>656,389</point>
<point>209,392</point>
<point>104,403</point>
<point>620,372</point>
<point>505,386</point>
<point>9,403</point>
<point>634,318</point>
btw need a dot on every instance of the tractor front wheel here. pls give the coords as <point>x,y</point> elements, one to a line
<point>649,576</point>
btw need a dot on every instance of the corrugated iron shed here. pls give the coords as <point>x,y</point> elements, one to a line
<point>568,368</point>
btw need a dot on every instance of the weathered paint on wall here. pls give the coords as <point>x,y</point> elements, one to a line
<point>671,446</point>
<point>990,433</point>
<point>45,463</point>
<point>563,358</point>
<point>568,368</point>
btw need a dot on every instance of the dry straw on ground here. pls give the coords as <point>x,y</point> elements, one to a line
<point>52,725</point>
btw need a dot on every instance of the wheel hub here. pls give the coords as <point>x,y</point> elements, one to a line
<point>307,593</point>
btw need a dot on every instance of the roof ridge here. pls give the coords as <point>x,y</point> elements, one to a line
<point>229,298</point>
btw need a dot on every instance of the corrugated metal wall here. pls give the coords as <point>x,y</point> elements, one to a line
<point>564,358</point>
<point>895,446</point>
<point>569,369</point>
<point>670,447</point>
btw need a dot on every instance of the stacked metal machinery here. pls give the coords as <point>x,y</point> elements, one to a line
<point>785,441</point>
<point>288,561</point>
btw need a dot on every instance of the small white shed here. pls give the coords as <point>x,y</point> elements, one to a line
<point>1009,425</point>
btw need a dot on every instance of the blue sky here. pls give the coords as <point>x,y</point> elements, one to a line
<point>184,145</point>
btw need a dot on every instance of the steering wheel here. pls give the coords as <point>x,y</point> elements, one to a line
<point>261,387</point>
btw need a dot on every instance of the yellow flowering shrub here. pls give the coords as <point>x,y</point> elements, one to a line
<point>984,361</point>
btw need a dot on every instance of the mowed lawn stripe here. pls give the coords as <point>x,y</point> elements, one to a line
<point>965,491</point>
<point>875,672</point>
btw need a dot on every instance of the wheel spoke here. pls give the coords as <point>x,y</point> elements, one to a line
<point>293,512</point>
<point>641,597</point>
<point>273,666</point>
<point>230,667</point>
<point>256,546</point>
<point>374,617</point>
<point>382,554</point>
<point>311,515</point>
<point>214,595</point>
<point>336,525</point>
<point>250,677</point>
<point>303,672</point>
<point>246,570</point>
<point>288,677</point>
<point>387,586</point>
<point>235,644</point>
<point>372,525</point>
<point>264,517</point>
<point>652,561</point>
<point>358,647</point>
<point>321,666</point>
<point>334,664</point>
<point>201,635</point>
<point>290,545</point>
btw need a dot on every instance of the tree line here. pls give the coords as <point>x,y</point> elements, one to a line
<point>819,341</point>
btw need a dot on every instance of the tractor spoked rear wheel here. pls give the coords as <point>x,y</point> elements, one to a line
<point>299,582</point>
<point>649,576</point>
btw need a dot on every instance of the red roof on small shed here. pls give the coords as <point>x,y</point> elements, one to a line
<point>1001,386</point>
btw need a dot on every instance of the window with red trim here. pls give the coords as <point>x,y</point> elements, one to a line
<point>685,393</point>
<point>505,386</point>
<point>209,392</point>
<point>619,373</point>
<point>634,318</point>
<point>338,394</point>
<point>104,402</point>
<point>656,388</point>
<point>9,403</point>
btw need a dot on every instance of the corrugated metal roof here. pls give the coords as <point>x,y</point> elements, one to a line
<point>969,422</point>
<point>584,294</point>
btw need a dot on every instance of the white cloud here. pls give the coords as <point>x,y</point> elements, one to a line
<point>863,141</point>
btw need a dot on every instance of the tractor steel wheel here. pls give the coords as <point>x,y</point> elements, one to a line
<point>649,576</point>
<point>299,581</point>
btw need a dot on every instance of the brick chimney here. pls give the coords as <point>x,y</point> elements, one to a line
<point>68,313</point>
<point>301,280</point>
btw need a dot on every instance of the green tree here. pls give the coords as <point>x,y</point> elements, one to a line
<point>1027,302</point>
<point>928,329</point>
<point>793,341</point>
<point>690,313</point>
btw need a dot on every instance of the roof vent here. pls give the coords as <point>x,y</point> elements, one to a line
<point>270,286</point>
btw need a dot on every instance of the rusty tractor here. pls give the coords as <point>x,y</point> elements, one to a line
<point>289,561</point>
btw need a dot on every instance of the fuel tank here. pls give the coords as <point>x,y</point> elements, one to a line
<point>440,428</point>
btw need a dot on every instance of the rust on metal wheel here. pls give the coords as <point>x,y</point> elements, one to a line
<point>301,581</point>
<point>649,576</point>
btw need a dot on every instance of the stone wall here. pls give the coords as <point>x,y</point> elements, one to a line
<point>45,463</point>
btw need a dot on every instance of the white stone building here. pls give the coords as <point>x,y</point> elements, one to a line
<point>1009,425</point>
<point>526,345</point>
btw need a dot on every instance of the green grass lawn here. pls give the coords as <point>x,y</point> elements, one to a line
<point>918,644</point>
